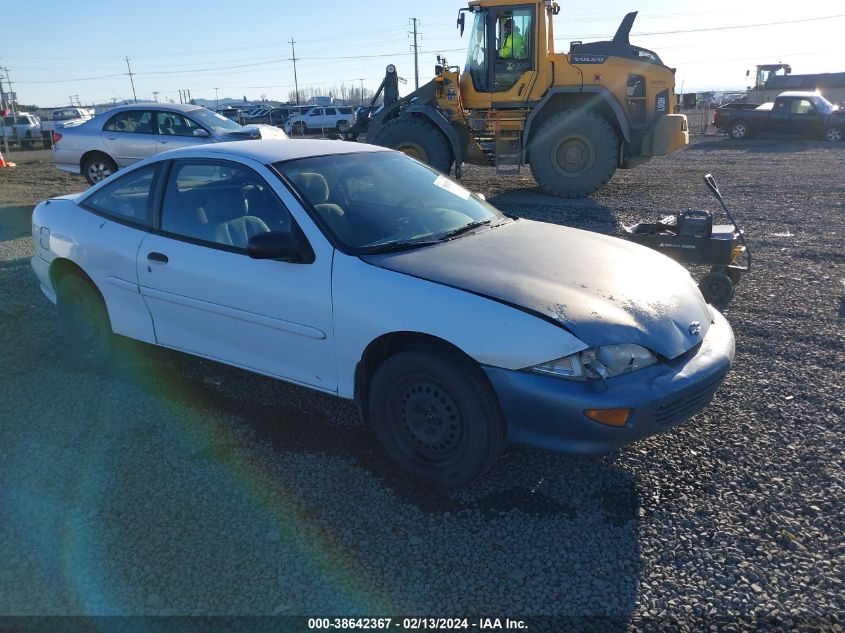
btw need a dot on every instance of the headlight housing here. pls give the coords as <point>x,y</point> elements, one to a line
<point>601,362</point>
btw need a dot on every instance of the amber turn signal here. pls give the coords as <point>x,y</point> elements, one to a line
<point>609,417</point>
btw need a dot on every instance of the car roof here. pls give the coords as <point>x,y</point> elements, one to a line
<point>799,93</point>
<point>271,151</point>
<point>154,105</point>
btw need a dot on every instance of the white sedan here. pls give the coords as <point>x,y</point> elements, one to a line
<point>360,272</point>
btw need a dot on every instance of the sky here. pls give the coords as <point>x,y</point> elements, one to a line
<point>233,49</point>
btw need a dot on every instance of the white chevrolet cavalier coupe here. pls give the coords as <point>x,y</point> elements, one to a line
<point>358,271</point>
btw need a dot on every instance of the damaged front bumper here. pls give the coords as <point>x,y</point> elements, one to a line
<point>548,412</point>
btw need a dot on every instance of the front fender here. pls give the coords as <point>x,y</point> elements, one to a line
<point>369,302</point>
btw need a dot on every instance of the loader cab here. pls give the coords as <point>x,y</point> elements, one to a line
<point>502,56</point>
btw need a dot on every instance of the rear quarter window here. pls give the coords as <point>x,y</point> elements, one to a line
<point>128,199</point>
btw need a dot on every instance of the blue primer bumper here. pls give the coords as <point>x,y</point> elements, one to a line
<point>547,412</point>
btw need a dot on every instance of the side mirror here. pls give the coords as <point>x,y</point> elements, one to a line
<point>283,245</point>
<point>200,133</point>
<point>461,22</point>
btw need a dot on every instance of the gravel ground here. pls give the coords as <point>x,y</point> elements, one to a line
<point>179,486</point>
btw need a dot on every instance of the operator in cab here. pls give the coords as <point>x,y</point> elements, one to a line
<point>513,45</point>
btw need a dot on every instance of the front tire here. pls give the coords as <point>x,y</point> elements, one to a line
<point>98,167</point>
<point>436,416</point>
<point>833,134</point>
<point>573,154</point>
<point>418,139</point>
<point>343,126</point>
<point>84,319</point>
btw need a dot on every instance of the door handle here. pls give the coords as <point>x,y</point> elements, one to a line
<point>111,138</point>
<point>521,88</point>
<point>157,257</point>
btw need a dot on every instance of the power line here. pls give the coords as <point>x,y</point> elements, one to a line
<point>719,28</point>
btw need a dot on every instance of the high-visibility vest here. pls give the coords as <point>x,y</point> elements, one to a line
<point>514,47</point>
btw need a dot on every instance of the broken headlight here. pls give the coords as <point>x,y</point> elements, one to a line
<point>602,362</point>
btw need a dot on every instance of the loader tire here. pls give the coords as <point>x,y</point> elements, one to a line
<point>573,154</point>
<point>418,139</point>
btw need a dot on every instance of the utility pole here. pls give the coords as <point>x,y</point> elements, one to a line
<point>132,81</point>
<point>11,94</point>
<point>3,106</point>
<point>293,59</point>
<point>155,96</point>
<point>416,57</point>
<point>216,101</point>
<point>362,90</point>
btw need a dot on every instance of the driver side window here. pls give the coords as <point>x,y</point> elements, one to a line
<point>220,203</point>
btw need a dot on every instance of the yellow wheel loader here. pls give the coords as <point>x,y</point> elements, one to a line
<point>573,117</point>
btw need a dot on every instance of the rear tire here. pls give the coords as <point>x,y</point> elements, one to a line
<point>436,416</point>
<point>573,154</point>
<point>84,319</point>
<point>98,167</point>
<point>834,134</point>
<point>343,126</point>
<point>418,139</point>
<point>739,130</point>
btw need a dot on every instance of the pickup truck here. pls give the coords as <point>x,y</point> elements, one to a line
<point>21,129</point>
<point>806,114</point>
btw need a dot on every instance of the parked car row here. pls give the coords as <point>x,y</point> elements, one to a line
<point>297,119</point>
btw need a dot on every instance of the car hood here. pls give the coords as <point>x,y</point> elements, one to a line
<point>602,289</point>
<point>257,131</point>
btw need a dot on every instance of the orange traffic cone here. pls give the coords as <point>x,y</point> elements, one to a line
<point>3,163</point>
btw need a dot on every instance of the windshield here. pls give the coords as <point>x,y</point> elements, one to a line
<point>214,120</point>
<point>823,105</point>
<point>378,201</point>
<point>476,64</point>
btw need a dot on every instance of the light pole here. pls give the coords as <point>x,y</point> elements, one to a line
<point>216,100</point>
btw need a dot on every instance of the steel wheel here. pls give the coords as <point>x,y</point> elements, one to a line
<point>432,421</point>
<point>436,415</point>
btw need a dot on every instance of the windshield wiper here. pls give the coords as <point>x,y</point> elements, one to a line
<point>466,228</point>
<point>401,245</point>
